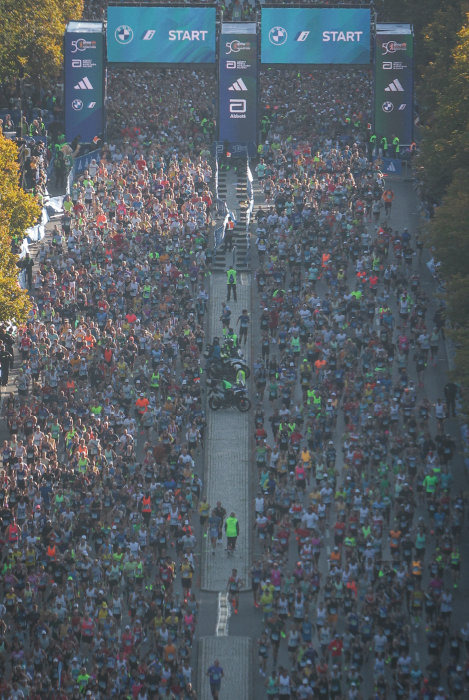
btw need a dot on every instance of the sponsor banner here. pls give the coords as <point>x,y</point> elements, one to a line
<point>161,34</point>
<point>237,85</point>
<point>315,35</point>
<point>84,80</point>
<point>394,82</point>
<point>391,166</point>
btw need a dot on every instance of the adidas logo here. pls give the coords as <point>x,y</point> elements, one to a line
<point>395,86</point>
<point>238,85</point>
<point>83,84</point>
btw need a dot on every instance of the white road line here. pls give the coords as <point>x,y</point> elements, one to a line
<point>224,612</point>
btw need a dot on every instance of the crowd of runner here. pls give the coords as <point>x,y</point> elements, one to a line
<point>230,10</point>
<point>101,471</point>
<point>357,522</point>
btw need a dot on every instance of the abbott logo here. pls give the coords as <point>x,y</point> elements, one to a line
<point>237,109</point>
<point>238,85</point>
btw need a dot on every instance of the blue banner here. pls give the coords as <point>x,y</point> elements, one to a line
<point>237,85</point>
<point>315,35</point>
<point>161,34</point>
<point>394,82</point>
<point>84,81</point>
<point>391,166</point>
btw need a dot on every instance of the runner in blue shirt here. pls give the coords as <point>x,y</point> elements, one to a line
<point>215,673</point>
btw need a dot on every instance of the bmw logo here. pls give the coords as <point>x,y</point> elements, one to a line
<point>388,106</point>
<point>278,36</point>
<point>124,34</point>
<point>77,105</point>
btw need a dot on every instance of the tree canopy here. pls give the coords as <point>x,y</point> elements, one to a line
<point>443,92</point>
<point>18,211</point>
<point>31,36</point>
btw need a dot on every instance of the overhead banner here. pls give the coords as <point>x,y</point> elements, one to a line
<point>315,35</point>
<point>394,82</point>
<point>237,85</point>
<point>161,34</point>
<point>84,81</point>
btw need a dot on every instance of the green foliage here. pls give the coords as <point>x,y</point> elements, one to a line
<point>18,211</point>
<point>435,25</point>
<point>437,41</point>
<point>460,337</point>
<point>458,299</point>
<point>448,232</point>
<point>443,90</point>
<point>445,106</point>
<point>31,36</point>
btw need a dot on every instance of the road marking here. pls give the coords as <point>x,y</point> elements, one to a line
<point>224,611</point>
<point>243,277</point>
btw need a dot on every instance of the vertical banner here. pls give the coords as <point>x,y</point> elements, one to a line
<point>237,85</point>
<point>84,81</point>
<point>394,82</point>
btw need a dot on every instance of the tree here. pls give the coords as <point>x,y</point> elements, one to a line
<point>435,24</point>
<point>18,211</point>
<point>31,36</point>
<point>437,40</point>
<point>443,89</point>
<point>448,230</point>
<point>445,101</point>
<point>15,302</point>
<point>460,373</point>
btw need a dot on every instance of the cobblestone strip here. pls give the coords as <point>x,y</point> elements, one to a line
<point>234,655</point>
<point>227,454</point>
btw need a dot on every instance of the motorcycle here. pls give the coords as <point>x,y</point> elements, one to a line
<point>220,398</point>
<point>226,367</point>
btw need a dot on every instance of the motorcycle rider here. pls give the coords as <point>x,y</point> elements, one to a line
<point>227,388</point>
<point>241,377</point>
<point>231,337</point>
